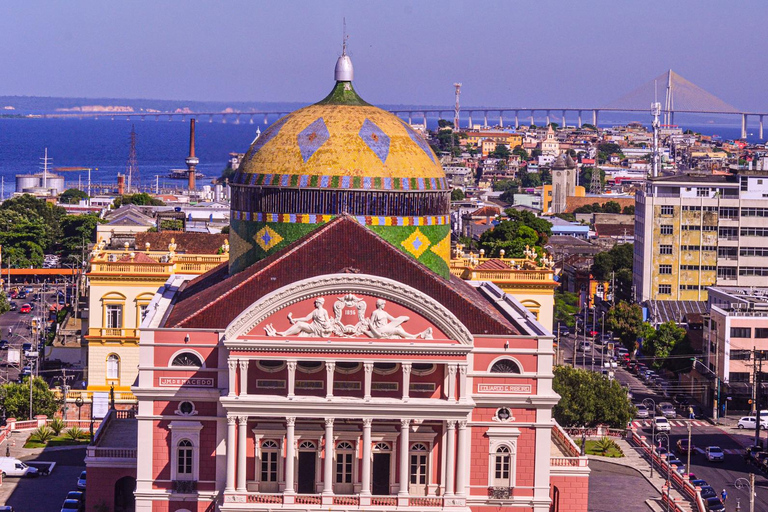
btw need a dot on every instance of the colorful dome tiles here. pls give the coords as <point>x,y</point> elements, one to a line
<point>376,139</point>
<point>312,137</point>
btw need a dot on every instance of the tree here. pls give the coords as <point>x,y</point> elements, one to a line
<point>529,179</point>
<point>608,148</point>
<point>444,123</point>
<point>5,306</point>
<point>616,265</point>
<point>585,176</point>
<point>37,212</point>
<point>660,343</point>
<point>504,185</point>
<point>141,199</point>
<point>628,210</point>
<point>513,234</point>
<point>72,196</point>
<point>77,231</point>
<point>625,321</point>
<point>501,151</point>
<point>566,305</point>
<point>14,398</point>
<point>523,154</point>
<point>611,207</point>
<point>457,194</point>
<point>588,126</point>
<point>589,399</point>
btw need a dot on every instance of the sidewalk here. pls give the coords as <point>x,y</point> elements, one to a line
<point>633,459</point>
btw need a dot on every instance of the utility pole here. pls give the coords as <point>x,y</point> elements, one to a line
<point>759,370</point>
<point>690,449</point>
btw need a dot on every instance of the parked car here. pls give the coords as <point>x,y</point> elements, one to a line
<point>631,365</point>
<point>13,306</point>
<point>683,448</point>
<point>26,347</point>
<point>662,425</point>
<point>7,508</point>
<point>25,309</point>
<point>707,491</point>
<point>714,504</point>
<point>674,461</point>
<point>71,506</point>
<point>714,453</point>
<point>10,466</point>
<point>666,409</point>
<point>747,422</point>
<point>3,344</point>
<point>81,482</point>
<point>584,346</point>
<point>76,495</point>
<point>563,330</point>
<point>642,411</point>
<point>697,482</point>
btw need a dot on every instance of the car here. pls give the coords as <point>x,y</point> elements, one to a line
<point>714,504</point>
<point>631,365</point>
<point>7,508</point>
<point>674,461</point>
<point>707,491</point>
<point>642,411</point>
<point>640,368</point>
<point>683,448</point>
<point>26,347</point>
<point>76,495</point>
<point>13,306</point>
<point>584,346</point>
<point>4,344</point>
<point>660,450</point>
<point>667,410</point>
<point>662,425</point>
<point>81,482</point>
<point>21,295</point>
<point>700,483</point>
<point>714,453</point>
<point>747,422</point>
<point>10,466</point>
<point>563,330</point>
<point>71,506</point>
<point>25,309</point>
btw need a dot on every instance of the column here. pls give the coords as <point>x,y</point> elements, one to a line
<point>404,447</point>
<point>368,368</point>
<point>328,461</point>
<point>243,376</point>
<point>290,454</point>
<point>232,365</point>
<point>463,391</point>
<point>451,382</point>
<point>242,423</point>
<point>330,367</point>
<point>291,379</point>
<point>406,380</point>
<point>231,454</point>
<point>450,457</point>
<point>462,460</point>
<point>365,490</point>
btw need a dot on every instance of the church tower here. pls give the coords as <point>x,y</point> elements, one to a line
<point>563,182</point>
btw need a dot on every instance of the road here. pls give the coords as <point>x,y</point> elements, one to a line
<point>720,475</point>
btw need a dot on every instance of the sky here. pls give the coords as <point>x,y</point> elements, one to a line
<point>534,53</point>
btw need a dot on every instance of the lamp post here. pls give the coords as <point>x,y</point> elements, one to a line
<point>79,404</point>
<point>660,436</point>
<point>653,426</point>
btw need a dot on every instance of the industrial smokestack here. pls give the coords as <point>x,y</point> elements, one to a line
<point>191,160</point>
<point>120,184</point>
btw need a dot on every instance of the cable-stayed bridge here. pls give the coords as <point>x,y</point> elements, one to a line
<point>680,96</point>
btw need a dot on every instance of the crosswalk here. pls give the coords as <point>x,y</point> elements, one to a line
<point>728,451</point>
<point>673,423</point>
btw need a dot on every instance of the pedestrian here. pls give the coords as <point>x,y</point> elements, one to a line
<point>690,413</point>
<point>723,496</point>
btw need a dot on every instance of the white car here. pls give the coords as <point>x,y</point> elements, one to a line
<point>662,425</point>
<point>714,453</point>
<point>748,422</point>
<point>642,411</point>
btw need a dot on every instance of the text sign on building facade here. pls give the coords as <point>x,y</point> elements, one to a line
<point>504,388</point>
<point>191,382</point>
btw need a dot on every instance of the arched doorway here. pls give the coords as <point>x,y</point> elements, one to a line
<point>124,499</point>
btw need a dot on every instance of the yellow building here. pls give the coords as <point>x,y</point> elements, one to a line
<point>531,283</point>
<point>121,284</point>
<point>511,140</point>
<point>547,199</point>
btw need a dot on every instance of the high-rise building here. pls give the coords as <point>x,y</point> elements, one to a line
<point>698,230</point>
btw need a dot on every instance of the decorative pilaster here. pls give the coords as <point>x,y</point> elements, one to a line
<point>232,365</point>
<point>291,364</point>
<point>368,369</point>
<point>242,423</point>
<point>462,460</point>
<point>404,447</point>
<point>328,460</point>
<point>365,490</point>
<point>463,391</point>
<point>452,382</point>
<point>406,380</point>
<point>290,454</point>
<point>231,453</point>
<point>243,363</point>
<point>330,368</point>
<point>450,457</point>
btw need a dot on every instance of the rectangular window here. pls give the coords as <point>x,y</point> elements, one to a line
<point>753,271</point>
<point>753,251</point>
<point>739,376</point>
<point>114,316</point>
<point>666,229</point>
<point>665,289</point>
<point>761,332</point>
<point>667,210</point>
<point>731,233</point>
<point>269,466</point>
<point>726,273</point>
<point>702,192</point>
<point>744,184</point>
<point>665,249</point>
<point>729,213</point>
<point>665,269</point>
<point>741,332</point>
<point>741,355</point>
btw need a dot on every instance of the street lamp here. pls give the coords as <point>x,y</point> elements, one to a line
<point>660,436</point>
<point>653,426</point>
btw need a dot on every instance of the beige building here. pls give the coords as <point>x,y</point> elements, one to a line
<point>121,284</point>
<point>550,144</point>
<point>698,230</point>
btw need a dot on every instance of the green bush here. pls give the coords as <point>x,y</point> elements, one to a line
<point>42,434</point>
<point>75,433</point>
<point>604,444</point>
<point>57,425</point>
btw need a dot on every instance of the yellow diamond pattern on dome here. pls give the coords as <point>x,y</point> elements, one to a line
<point>416,244</point>
<point>443,248</point>
<point>345,153</point>
<point>267,238</point>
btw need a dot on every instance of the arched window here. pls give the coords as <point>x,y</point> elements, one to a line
<point>348,367</point>
<point>113,367</point>
<point>385,368</point>
<point>309,366</point>
<point>307,445</point>
<point>501,465</point>
<point>505,366</point>
<point>187,359</point>
<point>381,447</point>
<point>184,458</point>
<point>269,459</point>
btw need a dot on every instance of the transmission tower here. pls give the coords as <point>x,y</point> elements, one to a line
<point>596,185</point>
<point>457,108</point>
<point>133,168</point>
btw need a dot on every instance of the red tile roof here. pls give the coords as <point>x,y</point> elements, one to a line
<point>493,264</point>
<point>138,257</point>
<point>486,211</point>
<point>214,299</point>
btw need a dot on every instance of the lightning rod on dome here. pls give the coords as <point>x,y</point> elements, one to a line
<point>344,71</point>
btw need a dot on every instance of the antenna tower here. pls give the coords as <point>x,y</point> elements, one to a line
<point>655,111</point>
<point>596,184</point>
<point>457,108</point>
<point>133,168</point>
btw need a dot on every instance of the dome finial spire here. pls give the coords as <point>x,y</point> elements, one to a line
<point>344,71</point>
